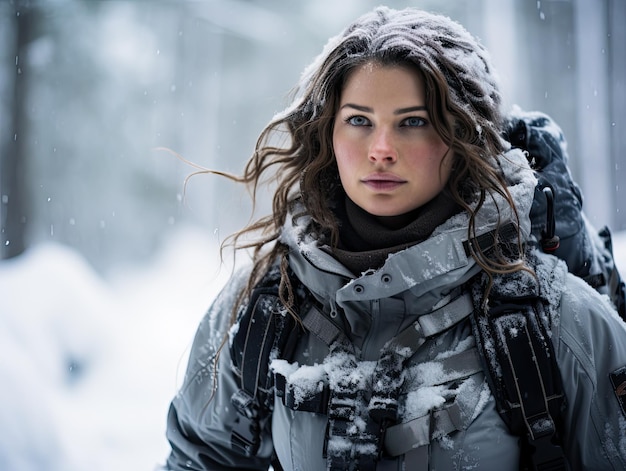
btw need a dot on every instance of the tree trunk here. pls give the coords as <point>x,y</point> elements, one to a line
<point>13,159</point>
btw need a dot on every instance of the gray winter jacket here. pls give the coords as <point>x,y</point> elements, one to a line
<point>448,415</point>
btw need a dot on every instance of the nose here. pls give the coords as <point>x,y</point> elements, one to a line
<point>382,148</point>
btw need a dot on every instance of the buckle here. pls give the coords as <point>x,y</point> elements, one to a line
<point>245,404</point>
<point>246,433</point>
<point>545,455</point>
<point>246,436</point>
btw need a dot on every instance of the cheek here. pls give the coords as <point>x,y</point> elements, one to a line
<point>339,152</point>
<point>442,161</point>
<point>346,151</point>
<point>434,160</point>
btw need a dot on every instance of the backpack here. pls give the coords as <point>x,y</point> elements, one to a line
<point>559,225</point>
<point>528,394</point>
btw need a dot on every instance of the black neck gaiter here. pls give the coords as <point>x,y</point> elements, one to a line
<point>365,241</point>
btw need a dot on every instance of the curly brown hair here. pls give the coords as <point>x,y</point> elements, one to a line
<point>295,151</point>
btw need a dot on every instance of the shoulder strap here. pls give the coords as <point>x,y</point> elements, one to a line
<point>265,330</point>
<point>520,365</point>
<point>611,282</point>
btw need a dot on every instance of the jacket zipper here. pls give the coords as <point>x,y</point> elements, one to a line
<point>373,330</point>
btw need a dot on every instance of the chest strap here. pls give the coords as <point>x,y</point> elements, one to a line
<point>427,325</point>
<point>345,443</point>
<point>455,367</point>
<point>402,438</point>
<point>408,341</point>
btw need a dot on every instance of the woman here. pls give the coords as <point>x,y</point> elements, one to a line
<point>392,172</point>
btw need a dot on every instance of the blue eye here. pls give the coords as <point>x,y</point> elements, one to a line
<point>358,121</point>
<point>414,121</point>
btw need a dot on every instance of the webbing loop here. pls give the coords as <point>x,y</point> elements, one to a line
<point>402,438</point>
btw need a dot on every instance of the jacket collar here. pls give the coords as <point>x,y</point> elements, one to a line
<point>436,264</point>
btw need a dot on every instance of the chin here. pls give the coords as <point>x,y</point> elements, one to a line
<point>388,213</point>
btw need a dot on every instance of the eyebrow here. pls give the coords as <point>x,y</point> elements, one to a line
<point>367,109</point>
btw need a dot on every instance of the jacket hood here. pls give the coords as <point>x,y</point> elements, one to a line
<point>434,266</point>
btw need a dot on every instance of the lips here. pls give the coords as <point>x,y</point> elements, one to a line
<point>383,181</point>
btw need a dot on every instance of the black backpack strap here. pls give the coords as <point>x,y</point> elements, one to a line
<point>265,331</point>
<point>614,282</point>
<point>520,365</point>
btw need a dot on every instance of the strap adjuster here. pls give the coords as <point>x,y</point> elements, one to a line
<point>245,404</point>
<point>545,455</point>
<point>246,436</point>
<point>246,433</point>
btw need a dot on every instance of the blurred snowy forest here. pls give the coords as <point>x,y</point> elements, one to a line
<point>90,89</point>
<point>109,264</point>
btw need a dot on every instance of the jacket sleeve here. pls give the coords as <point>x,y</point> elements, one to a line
<point>201,415</point>
<point>592,346</point>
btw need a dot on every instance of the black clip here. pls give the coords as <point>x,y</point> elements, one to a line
<point>246,433</point>
<point>549,240</point>
<point>245,436</point>
<point>545,455</point>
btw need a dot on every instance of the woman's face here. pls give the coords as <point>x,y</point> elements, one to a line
<point>390,159</point>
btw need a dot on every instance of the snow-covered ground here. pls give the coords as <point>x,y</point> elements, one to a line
<point>88,366</point>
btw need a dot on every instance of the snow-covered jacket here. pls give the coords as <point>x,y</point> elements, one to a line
<point>448,419</point>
